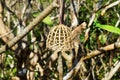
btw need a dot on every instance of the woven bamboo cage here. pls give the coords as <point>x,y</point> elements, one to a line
<point>58,37</point>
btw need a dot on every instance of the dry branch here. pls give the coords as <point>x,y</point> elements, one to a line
<point>109,6</point>
<point>73,72</point>
<point>60,67</point>
<point>112,72</point>
<point>37,20</point>
<point>5,33</point>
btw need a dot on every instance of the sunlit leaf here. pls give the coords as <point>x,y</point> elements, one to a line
<point>115,59</point>
<point>109,28</point>
<point>47,20</point>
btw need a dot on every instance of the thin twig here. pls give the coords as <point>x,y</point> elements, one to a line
<point>112,72</point>
<point>92,18</point>
<point>61,17</point>
<point>73,72</point>
<point>110,6</point>
<point>73,12</point>
<point>60,67</point>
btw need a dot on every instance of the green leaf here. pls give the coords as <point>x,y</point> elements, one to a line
<point>35,14</point>
<point>115,59</point>
<point>47,20</point>
<point>109,28</point>
<point>103,38</point>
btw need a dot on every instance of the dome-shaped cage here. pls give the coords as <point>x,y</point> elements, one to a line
<point>58,37</point>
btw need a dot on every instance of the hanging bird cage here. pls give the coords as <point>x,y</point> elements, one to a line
<point>58,38</point>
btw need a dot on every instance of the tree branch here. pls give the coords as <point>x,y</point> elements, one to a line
<point>112,72</point>
<point>61,16</point>
<point>32,25</point>
<point>109,6</point>
<point>73,72</point>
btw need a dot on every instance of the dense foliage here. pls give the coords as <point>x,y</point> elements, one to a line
<point>30,59</point>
